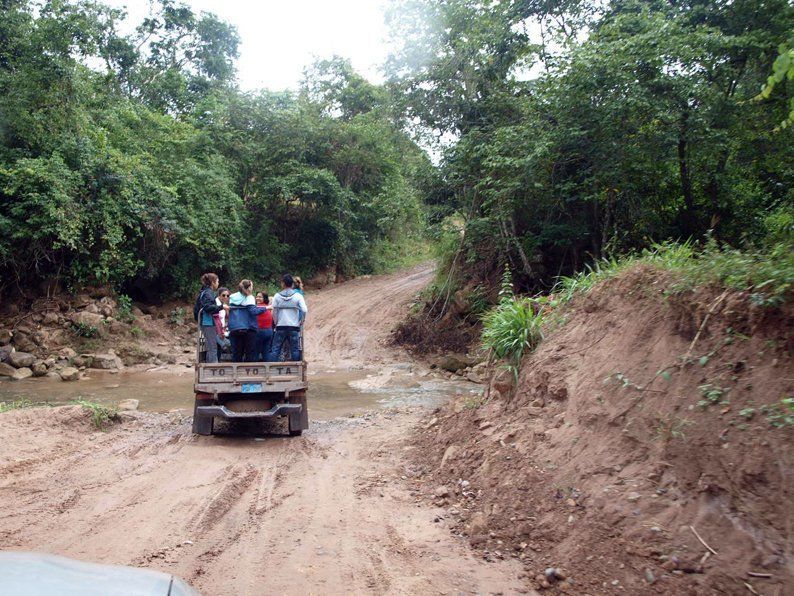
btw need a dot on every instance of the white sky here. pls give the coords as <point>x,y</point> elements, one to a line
<point>279,38</point>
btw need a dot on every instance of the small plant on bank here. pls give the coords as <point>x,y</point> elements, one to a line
<point>712,395</point>
<point>624,381</point>
<point>100,415</point>
<point>513,328</point>
<point>125,309</point>
<point>177,316</point>
<point>83,330</point>
<point>136,331</point>
<point>19,404</point>
<point>671,427</point>
<point>781,414</point>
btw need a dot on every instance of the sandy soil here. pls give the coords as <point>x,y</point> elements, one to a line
<point>335,511</point>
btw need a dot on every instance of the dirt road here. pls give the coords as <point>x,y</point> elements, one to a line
<point>348,324</point>
<point>327,513</point>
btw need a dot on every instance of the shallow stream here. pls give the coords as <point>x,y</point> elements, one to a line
<point>330,392</point>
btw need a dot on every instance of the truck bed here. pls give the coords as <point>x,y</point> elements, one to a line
<point>250,377</point>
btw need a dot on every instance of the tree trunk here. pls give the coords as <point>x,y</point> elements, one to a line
<point>688,223</point>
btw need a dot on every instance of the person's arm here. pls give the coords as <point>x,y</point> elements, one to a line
<point>274,306</point>
<point>208,305</point>
<point>256,310</point>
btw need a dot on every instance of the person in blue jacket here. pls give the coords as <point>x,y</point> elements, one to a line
<point>242,322</point>
<point>206,306</point>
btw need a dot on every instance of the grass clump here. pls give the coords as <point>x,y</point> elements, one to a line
<point>767,274</point>
<point>100,415</point>
<point>18,404</point>
<point>514,327</point>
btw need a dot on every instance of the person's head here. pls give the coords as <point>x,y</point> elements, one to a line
<point>298,283</point>
<point>246,287</point>
<point>287,281</point>
<point>260,298</point>
<point>209,280</point>
<point>223,294</point>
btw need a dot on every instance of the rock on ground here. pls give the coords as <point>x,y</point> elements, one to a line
<point>104,361</point>
<point>6,370</point>
<point>21,359</point>
<point>22,373</point>
<point>70,373</point>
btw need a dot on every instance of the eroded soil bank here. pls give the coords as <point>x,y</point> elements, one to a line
<point>644,450</point>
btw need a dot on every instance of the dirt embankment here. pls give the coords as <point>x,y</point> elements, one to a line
<point>64,335</point>
<point>631,455</point>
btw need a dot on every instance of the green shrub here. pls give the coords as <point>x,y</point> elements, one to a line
<point>83,330</point>
<point>125,309</point>
<point>100,415</point>
<point>513,328</point>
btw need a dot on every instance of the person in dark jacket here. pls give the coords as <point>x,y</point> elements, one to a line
<point>205,307</point>
<point>243,322</point>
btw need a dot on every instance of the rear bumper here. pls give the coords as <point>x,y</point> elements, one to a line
<point>226,413</point>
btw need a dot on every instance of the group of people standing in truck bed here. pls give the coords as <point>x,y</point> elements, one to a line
<point>249,326</point>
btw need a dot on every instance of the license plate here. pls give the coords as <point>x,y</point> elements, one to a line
<point>252,387</point>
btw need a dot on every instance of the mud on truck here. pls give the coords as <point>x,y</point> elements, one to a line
<point>249,391</point>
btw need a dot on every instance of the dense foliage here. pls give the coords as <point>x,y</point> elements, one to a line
<point>132,159</point>
<point>571,130</point>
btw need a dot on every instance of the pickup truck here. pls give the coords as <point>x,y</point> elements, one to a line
<point>249,390</point>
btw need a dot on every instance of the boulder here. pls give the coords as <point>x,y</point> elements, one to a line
<point>108,301</point>
<point>53,375</point>
<point>117,327</point>
<point>474,378</point>
<point>128,404</point>
<point>106,311</point>
<point>67,353</point>
<point>69,373</point>
<point>81,300</point>
<point>4,352</point>
<point>50,318</point>
<point>5,336</point>
<point>6,370</point>
<point>83,360</point>
<point>454,362</point>
<point>39,369</point>
<point>21,359</point>
<point>92,308</point>
<point>90,319</point>
<point>22,373</point>
<point>23,342</point>
<point>104,361</point>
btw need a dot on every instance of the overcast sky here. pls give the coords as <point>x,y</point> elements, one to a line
<point>279,38</point>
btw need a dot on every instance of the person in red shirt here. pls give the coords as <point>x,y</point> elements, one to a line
<point>264,335</point>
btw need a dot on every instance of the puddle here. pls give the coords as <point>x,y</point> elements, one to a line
<point>330,392</point>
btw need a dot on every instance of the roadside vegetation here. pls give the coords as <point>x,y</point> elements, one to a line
<point>133,160</point>
<point>648,131</point>
<point>516,325</point>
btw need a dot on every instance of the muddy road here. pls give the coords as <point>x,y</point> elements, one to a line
<point>327,513</point>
